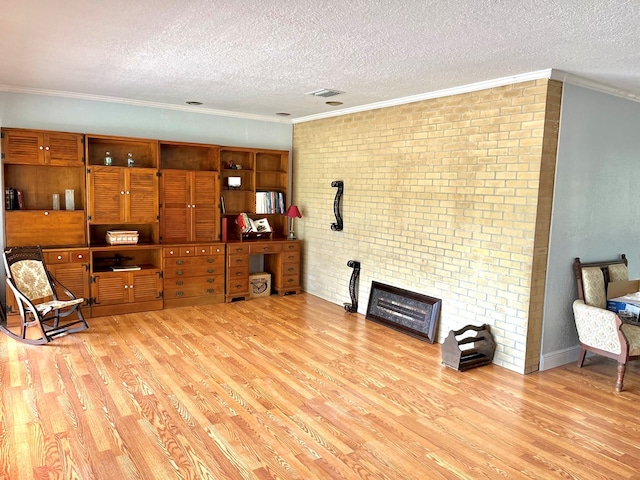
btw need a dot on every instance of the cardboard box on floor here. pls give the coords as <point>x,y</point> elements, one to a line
<point>620,298</point>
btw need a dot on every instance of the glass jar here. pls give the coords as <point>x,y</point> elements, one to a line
<point>107,158</point>
<point>130,161</point>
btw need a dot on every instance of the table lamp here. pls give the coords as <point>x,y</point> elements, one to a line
<point>292,212</point>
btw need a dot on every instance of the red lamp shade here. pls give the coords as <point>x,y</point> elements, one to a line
<point>293,212</point>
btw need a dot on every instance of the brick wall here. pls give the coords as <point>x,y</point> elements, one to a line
<point>449,197</point>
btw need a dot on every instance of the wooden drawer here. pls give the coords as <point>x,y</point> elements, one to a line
<point>52,257</point>
<point>209,249</point>
<point>233,248</point>
<point>291,257</point>
<point>265,247</point>
<point>187,271</point>
<point>187,251</point>
<point>193,287</point>
<point>217,260</point>
<point>291,269</point>
<point>291,247</point>
<point>289,281</point>
<point>238,272</point>
<point>238,261</point>
<point>238,286</point>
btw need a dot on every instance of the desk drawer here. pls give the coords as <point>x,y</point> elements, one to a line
<point>291,257</point>
<point>238,286</point>
<point>290,281</point>
<point>291,247</point>
<point>291,269</point>
<point>265,247</point>
<point>238,261</point>
<point>238,273</point>
<point>234,248</point>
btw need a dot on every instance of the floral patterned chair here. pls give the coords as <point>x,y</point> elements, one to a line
<point>599,330</point>
<point>43,303</point>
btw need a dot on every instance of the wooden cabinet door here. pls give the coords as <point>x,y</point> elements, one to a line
<point>44,227</point>
<point>22,146</point>
<point>63,149</point>
<point>141,195</point>
<point>145,286</point>
<point>204,207</point>
<point>110,288</point>
<point>74,276</point>
<point>42,147</point>
<point>106,194</point>
<point>175,198</point>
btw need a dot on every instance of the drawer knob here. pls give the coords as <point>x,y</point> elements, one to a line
<point>179,262</point>
<point>209,270</point>
<point>238,274</point>
<point>59,257</point>
<point>210,291</point>
<point>210,260</point>
<point>179,283</point>
<point>179,294</point>
<point>210,280</point>
<point>202,251</point>
<point>179,272</point>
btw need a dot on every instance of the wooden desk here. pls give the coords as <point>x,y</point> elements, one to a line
<point>281,260</point>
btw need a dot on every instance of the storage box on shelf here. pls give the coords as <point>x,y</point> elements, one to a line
<point>193,274</point>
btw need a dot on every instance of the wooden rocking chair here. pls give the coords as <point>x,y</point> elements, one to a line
<point>43,302</point>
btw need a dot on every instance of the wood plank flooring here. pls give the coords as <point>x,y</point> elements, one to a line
<point>295,388</point>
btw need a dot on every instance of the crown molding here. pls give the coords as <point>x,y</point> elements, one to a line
<point>446,92</point>
<point>578,81</point>
<point>139,103</point>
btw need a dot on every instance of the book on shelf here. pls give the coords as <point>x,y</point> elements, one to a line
<point>270,202</point>
<point>247,225</point>
<point>13,199</point>
<point>125,268</point>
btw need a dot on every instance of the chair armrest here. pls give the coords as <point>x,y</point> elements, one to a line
<point>597,327</point>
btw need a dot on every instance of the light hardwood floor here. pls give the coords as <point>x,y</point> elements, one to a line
<point>295,388</point>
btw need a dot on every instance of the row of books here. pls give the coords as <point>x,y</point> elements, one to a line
<point>13,199</point>
<point>270,203</point>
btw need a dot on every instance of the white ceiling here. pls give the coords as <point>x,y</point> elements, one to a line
<point>260,57</point>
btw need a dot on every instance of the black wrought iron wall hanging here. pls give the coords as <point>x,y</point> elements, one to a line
<point>353,287</point>
<point>337,226</point>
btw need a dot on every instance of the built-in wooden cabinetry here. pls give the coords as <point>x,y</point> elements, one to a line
<point>193,274</point>
<point>189,197</point>
<point>178,197</point>
<point>258,171</point>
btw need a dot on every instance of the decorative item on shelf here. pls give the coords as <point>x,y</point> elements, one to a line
<point>292,212</point>
<point>336,205</point>
<point>130,161</point>
<point>69,199</point>
<point>122,237</point>
<point>56,201</point>
<point>253,229</point>
<point>234,183</point>
<point>107,158</point>
<point>232,165</point>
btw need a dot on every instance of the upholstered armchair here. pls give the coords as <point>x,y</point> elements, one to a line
<point>599,330</point>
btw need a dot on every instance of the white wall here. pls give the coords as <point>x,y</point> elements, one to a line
<point>596,204</point>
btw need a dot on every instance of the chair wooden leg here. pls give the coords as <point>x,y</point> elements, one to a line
<point>620,379</point>
<point>583,352</point>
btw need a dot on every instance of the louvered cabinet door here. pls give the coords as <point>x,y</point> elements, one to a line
<point>23,146</point>
<point>204,207</point>
<point>145,286</point>
<point>141,195</point>
<point>63,149</point>
<point>110,288</point>
<point>107,194</point>
<point>175,223</point>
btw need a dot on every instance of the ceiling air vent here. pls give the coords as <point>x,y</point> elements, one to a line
<point>325,92</point>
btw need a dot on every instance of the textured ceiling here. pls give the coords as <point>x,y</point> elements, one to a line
<point>257,58</point>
